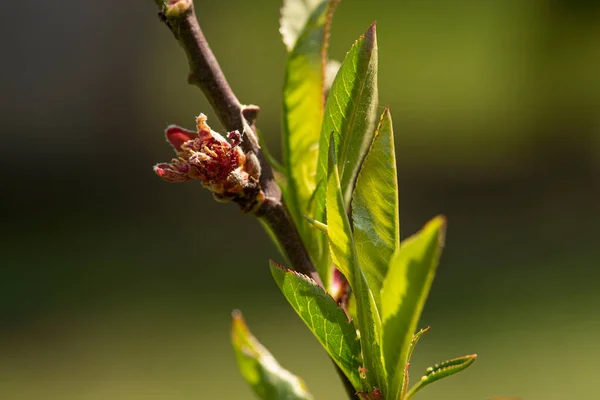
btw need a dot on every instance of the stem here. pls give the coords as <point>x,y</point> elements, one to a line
<point>205,72</point>
<point>276,216</point>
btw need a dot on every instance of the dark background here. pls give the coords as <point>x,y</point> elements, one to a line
<point>117,285</point>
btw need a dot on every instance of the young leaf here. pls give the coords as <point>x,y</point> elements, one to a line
<point>406,378</point>
<point>403,296</point>
<point>294,15</point>
<point>303,103</point>
<point>324,317</point>
<point>414,341</point>
<point>442,370</point>
<point>343,251</point>
<point>405,382</point>
<point>350,113</point>
<point>264,374</point>
<point>375,207</point>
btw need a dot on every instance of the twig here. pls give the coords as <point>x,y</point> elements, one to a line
<point>206,73</point>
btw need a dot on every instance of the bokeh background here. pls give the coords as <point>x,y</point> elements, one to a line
<point>117,285</point>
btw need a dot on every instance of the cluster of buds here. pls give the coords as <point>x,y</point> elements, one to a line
<point>221,165</point>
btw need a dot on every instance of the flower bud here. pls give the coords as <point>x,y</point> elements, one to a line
<point>220,165</point>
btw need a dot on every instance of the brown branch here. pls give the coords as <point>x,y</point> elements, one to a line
<point>206,73</point>
<point>277,218</point>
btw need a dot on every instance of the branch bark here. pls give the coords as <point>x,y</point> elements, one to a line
<point>205,72</point>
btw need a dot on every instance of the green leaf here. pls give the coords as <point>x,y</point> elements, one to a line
<point>303,107</point>
<point>405,382</point>
<point>403,296</point>
<point>350,113</point>
<point>264,374</point>
<point>442,370</point>
<point>343,251</point>
<point>324,317</point>
<point>405,379</point>
<point>413,343</point>
<point>375,208</point>
<point>294,15</point>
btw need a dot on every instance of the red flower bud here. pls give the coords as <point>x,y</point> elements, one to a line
<point>221,166</point>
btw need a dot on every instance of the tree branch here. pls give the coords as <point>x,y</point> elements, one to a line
<point>205,72</point>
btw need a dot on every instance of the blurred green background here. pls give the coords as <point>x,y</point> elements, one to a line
<point>116,285</point>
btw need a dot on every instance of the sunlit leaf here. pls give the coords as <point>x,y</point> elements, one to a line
<point>413,343</point>
<point>375,207</point>
<point>350,113</point>
<point>303,107</point>
<point>294,15</point>
<point>403,296</point>
<point>442,370</point>
<point>406,378</point>
<point>264,374</point>
<point>405,382</point>
<point>343,252</point>
<point>324,317</point>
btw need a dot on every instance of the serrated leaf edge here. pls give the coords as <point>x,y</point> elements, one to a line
<point>442,370</point>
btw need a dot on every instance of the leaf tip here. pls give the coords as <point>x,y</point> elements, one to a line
<point>238,322</point>
<point>239,329</point>
<point>368,39</point>
<point>373,26</point>
<point>371,34</point>
<point>440,219</point>
<point>440,223</point>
